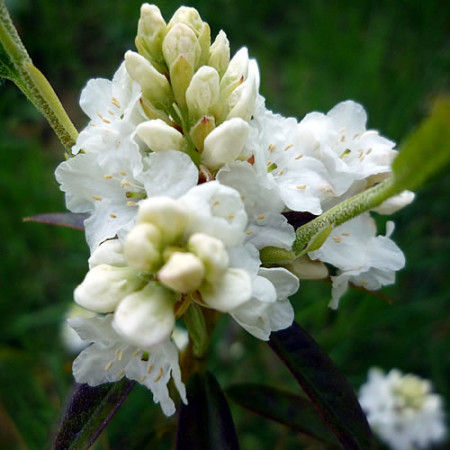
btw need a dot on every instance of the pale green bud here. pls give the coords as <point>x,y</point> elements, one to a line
<point>200,130</point>
<point>146,318</point>
<point>241,102</point>
<point>306,269</point>
<point>105,286</point>
<point>235,74</point>
<point>191,18</point>
<point>226,143</point>
<point>151,31</point>
<point>159,136</point>
<point>155,86</point>
<point>203,92</point>
<point>212,253</point>
<point>142,247</point>
<point>181,41</point>
<point>219,53</point>
<point>167,214</point>
<point>183,272</point>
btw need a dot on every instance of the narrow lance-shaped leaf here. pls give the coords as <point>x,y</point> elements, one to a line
<point>325,386</point>
<point>71,220</point>
<point>205,422</point>
<point>289,409</point>
<point>89,411</point>
<point>427,151</point>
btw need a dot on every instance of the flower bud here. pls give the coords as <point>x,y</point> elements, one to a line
<point>241,102</point>
<point>109,252</point>
<point>105,286</point>
<point>200,130</point>
<point>191,18</point>
<point>226,144</point>
<point>181,41</point>
<point>212,253</point>
<point>219,53</point>
<point>155,86</point>
<point>230,292</point>
<point>203,92</point>
<point>165,213</point>
<point>146,318</point>
<point>159,136</point>
<point>183,272</point>
<point>151,31</point>
<point>394,204</point>
<point>235,74</point>
<point>142,247</point>
<point>306,269</point>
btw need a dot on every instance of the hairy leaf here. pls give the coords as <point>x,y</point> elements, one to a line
<point>71,220</point>
<point>325,386</point>
<point>205,422</point>
<point>89,411</point>
<point>289,409</point>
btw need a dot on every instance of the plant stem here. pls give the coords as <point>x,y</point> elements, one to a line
<point>34,84</point>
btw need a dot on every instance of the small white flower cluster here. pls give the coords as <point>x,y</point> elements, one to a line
<point>402,410</point>
<point>186,176</point>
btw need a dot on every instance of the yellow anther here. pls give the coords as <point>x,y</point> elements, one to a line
<point>336,239</point>
<point>299,156</point>
<point>109,365</point>
<point>300,186</point>
<point>161,373</point>
<point>97,197</point>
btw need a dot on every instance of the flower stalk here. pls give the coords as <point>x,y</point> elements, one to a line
<point>30,80</point>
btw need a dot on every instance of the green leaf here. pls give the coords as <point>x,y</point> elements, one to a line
<point>427,151</point>
<point>7,69</point>
<point>205,422</point>
<point>289,409</point>
<point>71,220</point>
<point>89,411</point>
<point>325,386</point>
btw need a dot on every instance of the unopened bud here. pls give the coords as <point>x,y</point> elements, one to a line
<point>219,53</point>
<point>159,136</point>
<point>203,92</point>
<point>200,130</point>
<point>146,318</point>
<point>235,74</point>
<point>212,253</point>
<point>109,252</point>
<point>155,86</point>
<point>105,286</point>
<point>167,214</point>
<point>142,247</point>
<point>183,272</point>
<point>181,41</point>
<point>241,102</point>
<point>226,143</point>
<point>151,31</point>
<point>395,203</point>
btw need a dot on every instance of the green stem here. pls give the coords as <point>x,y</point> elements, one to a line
<point>196,325</point>
<point>344,211</point>
<point>33,83</point>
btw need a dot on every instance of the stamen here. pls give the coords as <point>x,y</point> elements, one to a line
<point>300,186</point>
<point>261,217</point>
<point>337,239</point>
<point>113,216</point>
<point>345,234</point>
<point>124,174</point>
<point>299,156</point>
<point>109,365</point>
<point>115,102</point>
<point>288,147</point>
<point>149,370</point>
<point>271,147</point>
<point>161,373</point>
<point>97,197</point>
<point>130,203</point>
<point>107,177</point>
<point>231,216</point>
<point>249,232</point>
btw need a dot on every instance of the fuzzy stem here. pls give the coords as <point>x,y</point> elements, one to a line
<point>344,211</point>
<point>33,83</point>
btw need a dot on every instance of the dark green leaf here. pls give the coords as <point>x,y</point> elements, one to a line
<point>427,151</point>
<point>7,69</point>
<point>71,220</point>
<point>324,384</point>
<point>289,409</point>
<point>89,411</point>
<point>205,422</point>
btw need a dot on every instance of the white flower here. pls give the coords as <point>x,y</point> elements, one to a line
<point>111,199</point>
<point>402,410</point>
<point>109,358</point>
<point>362,258</point>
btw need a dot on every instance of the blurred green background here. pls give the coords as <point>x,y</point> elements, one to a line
<point>393,57</point>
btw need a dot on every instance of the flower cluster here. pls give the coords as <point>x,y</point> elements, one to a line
<point>186,176</point>
<point>402,410</point>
